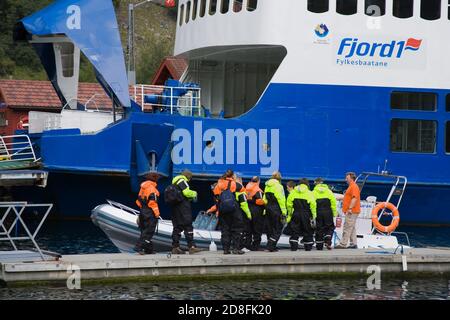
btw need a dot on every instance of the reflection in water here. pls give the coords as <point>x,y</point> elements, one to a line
<point>74,237</point>
<point>279,289</point>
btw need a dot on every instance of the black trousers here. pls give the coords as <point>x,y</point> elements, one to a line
<point>258,224</point>
<point>147,225</point>
<point>324,228</point>
<point>231,226</point>
<point>182,222</point>
<point>246,240</point>
<point>301,225</point>
<point>275,225</point>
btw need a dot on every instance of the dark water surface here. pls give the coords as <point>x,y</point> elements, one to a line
<point>74,237</point>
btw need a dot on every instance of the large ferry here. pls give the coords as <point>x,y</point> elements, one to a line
<point>310,88</point>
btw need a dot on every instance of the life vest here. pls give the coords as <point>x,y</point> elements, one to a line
<point>222,185</point>
<point>148,195</point>
<point>252,190</point>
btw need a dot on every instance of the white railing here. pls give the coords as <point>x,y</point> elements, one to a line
<point>16,148</point>
<point>167,100</point>
<point>11,218</point>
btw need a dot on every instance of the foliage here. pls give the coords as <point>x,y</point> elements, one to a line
<point>155,29</point>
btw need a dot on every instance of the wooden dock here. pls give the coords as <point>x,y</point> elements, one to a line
<point>284,262</point>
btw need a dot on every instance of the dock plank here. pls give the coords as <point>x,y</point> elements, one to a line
<point>122,265</point>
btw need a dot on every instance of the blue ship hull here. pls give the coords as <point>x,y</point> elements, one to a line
<point>323,131</point>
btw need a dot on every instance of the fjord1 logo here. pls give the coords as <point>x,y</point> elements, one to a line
<point>356,52</point>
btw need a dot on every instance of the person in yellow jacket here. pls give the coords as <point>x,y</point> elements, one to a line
<point>326,211</point>
<point>182,215</point>
<point>256,205</point>
<point>275,201</point>
<point>301,206</point>
<point>241,198</point>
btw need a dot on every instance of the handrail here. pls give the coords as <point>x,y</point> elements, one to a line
<point>123,207</point>
<point>166,99</point>
<point>18,208</point>
<point>17,151</point>
<point>396,181</point>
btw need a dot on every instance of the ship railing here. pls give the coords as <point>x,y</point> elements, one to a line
<point>16,148</point>
<point>166,99</point>
<point>13,228</point>
<point>123,207</point>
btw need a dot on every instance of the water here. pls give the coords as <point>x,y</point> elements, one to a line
<point>75,237</point>
<point>279,289</point>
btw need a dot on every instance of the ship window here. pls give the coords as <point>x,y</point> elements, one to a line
<point>212,7</point>
<point>449,10</point>
<point>413,136</point>
<point>403,8</point>
<point>375,8</point>
<point>194,9</point>
<point>422,101</point>
<point>188,11</point>
<point>181,14</point>
<point>252,5</point>
<point>347,7</point>
<point>430,9</point>
<point>318,6</point>
<point>225,6</point>
<point>237,5</point>
<point>447,103</point>
<point>447,137</point>
<point>202,8</point>
<point>67,61</point>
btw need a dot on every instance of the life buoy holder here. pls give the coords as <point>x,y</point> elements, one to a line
<point>395,217</point>
<point>23,123</point>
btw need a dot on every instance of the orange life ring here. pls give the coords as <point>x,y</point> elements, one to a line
<point>23,123</point>
<point>395,217</point>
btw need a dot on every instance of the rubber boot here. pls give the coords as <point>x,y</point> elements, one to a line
<point>226,251</point>
<point>308,247</point>
<point>193,250</point>
<point>319,246</point>
<point>177,250</point>
<point>294,245</point>
<point>272,246</point>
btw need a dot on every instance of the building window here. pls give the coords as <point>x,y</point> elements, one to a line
<point>403,8</point>
<point>202,8</point>
<point>212,7</point>
<point>225,6</point>
<point>347,7</point>
<point>413,136</point>
<point>67,52</point>
<point>181,14</point>
<point>188,11</point>
<point>421,101</point>
<point>318,6</point>
<point>430,9</point>
<point>252,5</point>
<point>3,122</point>
<point>237,5</point>
<point>447,137</point>
<point>194,9</point>
<point>375,8</point>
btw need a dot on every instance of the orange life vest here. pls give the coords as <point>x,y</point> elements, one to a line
<point>252,189</point>
<point>222,185</point>
<point>149,194</point>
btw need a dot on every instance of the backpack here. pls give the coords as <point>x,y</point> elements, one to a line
<point>173,195</point>
<point>227,202</point>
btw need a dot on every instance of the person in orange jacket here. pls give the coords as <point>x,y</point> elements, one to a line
<point>149,213</point>
<point>256,205</point>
